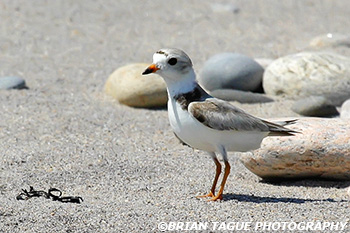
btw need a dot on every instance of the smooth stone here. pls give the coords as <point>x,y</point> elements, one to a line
<point>330,40</point>
<point>309,74</point>
<point>7,83</point>
<point>240,96</point>
<point>219,8</point>
<point>231,71</point>
<point>316,106</point>
<point>345,110</point>
<point>130,87</point>
<point>321,150</point>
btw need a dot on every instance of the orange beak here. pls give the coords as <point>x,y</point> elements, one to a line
<point>151,69</point>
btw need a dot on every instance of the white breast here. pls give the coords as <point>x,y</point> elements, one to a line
<point>199,136</point>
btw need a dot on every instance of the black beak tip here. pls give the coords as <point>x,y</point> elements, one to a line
<point>147,71</point>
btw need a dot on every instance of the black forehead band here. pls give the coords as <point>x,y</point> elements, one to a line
<point>161,52</point>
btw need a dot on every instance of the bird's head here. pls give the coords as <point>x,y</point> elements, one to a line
<point>171,64</point>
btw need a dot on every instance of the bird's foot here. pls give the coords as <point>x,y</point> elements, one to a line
<point>217,197</point>
<point>210,194</point>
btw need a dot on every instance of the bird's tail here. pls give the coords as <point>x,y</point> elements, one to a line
<point>284,123</point>
<point>277,128</point>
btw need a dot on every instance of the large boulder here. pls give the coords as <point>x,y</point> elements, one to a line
<point>309,74</point>
<point>130,87</point>
<point>321,150</point>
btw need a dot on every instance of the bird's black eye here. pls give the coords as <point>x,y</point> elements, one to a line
<point>172,61</point>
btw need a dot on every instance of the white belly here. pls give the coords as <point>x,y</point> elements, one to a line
<point>199,136</point>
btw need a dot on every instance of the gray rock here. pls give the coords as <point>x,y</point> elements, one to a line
<point>129,87</point>
<point>240,96</point>
<point>321,150</point>
<point>231,71</point>
<point>309,74</point>
<point>345,110</point>
<point>7,83</point>
<point>316,106</point>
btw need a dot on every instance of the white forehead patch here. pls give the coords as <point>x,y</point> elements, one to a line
<point>158,58</point>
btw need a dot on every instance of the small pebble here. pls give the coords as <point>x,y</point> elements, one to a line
<point>219,7</point>
<point>7,83</point>
<point>330,40</point>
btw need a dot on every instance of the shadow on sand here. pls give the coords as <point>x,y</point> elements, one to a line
<point>291,183</point>
<point>323,183</point>
<point>257,199</point>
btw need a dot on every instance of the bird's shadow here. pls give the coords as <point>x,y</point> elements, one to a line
<point>259,199</point>
<point>291,183</point>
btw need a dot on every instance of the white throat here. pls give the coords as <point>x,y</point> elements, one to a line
<point>183,84</point>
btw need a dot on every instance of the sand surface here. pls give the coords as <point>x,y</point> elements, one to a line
<point>127,165</point>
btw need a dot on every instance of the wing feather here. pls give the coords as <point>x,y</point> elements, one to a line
<point>221,115</point>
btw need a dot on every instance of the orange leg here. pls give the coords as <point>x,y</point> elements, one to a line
<point>223,182</point>
<point>217,174</point>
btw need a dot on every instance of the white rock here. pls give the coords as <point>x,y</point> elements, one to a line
<point>130,87</point>
<point>309,74</point>
<point>345,110</point>
<point>321,150</point>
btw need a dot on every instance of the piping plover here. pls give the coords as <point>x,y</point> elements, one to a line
<point>204,122</point>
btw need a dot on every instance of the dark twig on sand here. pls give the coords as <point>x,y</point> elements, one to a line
<point>25,195</point>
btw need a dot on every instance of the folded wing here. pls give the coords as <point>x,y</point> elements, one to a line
<point>221,115</point>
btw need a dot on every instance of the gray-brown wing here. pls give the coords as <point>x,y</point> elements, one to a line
<point>221,115</point>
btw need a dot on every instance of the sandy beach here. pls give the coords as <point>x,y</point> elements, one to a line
<point>133,174</point>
